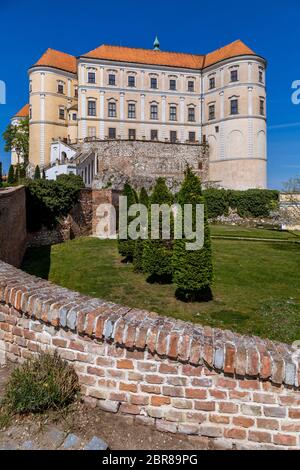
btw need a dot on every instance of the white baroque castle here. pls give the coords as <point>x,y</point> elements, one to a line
<point>122,93</point>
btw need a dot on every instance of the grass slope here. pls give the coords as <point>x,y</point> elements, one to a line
<point>256,285</point>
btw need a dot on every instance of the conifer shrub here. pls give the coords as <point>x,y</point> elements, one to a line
<point>157,254</point>
<point>139,244</point>
<point>192,270</point>
<point>126,246</point>
<point>11,178</point>
<point>37,173</point>
<point>41,383</point>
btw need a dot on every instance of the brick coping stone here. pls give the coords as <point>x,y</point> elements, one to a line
<point>221,350</point>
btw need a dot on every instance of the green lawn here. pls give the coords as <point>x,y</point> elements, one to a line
<point>256,284</point>
<point>236,231</point>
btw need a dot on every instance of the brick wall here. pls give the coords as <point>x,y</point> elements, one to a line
<point>230,391</point>
<point>12,225</point>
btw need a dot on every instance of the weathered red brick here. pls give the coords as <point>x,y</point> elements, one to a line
<point>285,440</point>
<point>229,366</point>
<point>294,413</point>
<point>154,379</point>
<point>235,433</point>
<point>160,401</point>
<point>259,436</point>
<point>124,364</point>
<point>266,423</point>
<point>205,405</point>
<point>249,384</point>
<point>227,407</point>
<point>195,393</point>
<point>167,369</point>
<point>173,345</point>
<point>130,409</point>
<point>96,371</point>
<point>61,343</point>
<point>243,422</point>
<point>223,382</point>
<point>128,387</point>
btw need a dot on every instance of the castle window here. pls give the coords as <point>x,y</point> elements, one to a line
<point>173,113</point>
<point>60,88</point>
<point>111,132</point>
<point>154,134</point>
<point>211,112</point>
<point>191,114</point>
<point>76,92</point>
<point>172,85</point>
<point>173,136</point>
<point>234,76</point>
<point>217,129</point>
<point>30,86</point>
<point>234,106</point>
<point>212,83</point>
<point>131,80</point>
<point>192,136</point>
<point>262,107</point>
<point>191,85</point>
<point>74,116</point>
<point>153,83</point>
<point>112,109</point>
<point>261,77</point>
<point>61,112</point>
<point>131,111</point>
<point>131,134</point>
<point>111,79</point>
<point>91,108</point>
<point>30,112</point>
<point>91,77</point>
<point>153,111</point>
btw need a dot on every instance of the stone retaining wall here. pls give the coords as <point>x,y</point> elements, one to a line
<point>12,225</point>
<point>230,391</point>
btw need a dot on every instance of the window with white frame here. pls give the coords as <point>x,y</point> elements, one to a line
<point>153,111</point>
<point>173,113</point>
<point>211,112</point>
<point>153,83</point>
<point>212,83</point>
<point>111,79</point>
<point>172,84</point>
<point>91,77</point>
<point>131,110</point>
<point>112,109</point>
<point>191,114</point>
<point>131,81</point>
<point>61,112</point>
<point>91,108</point>
<point>234,106</point>
<point>191,85</point>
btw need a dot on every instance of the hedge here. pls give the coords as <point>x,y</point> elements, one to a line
<point>47,201</point>
<point>249,203</point>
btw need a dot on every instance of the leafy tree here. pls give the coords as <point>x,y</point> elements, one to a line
<point>17,136</point>
<point>157,254</point>
<point>139,244</point>
<point>22,171</point>
<point>11,179</point>
<point>37,173</point>
<point>292,185</point>
<point>126,246</point>
<point>192,270</point>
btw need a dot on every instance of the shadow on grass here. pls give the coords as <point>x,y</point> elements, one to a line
<point>37,261</point>
<point>163,280</point>
<point>201,295</point>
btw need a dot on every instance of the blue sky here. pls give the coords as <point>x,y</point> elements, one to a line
<point>270,28</point>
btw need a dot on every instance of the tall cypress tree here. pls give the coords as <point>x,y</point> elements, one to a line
<point>139,244</point>
<point>11,179</point>
<point>126,246</point>
<point>192,270</point>
<point>157,254</point>
<point>37,173</point>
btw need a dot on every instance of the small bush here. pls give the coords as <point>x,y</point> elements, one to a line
<point>217,202</point>
<point>47,200</point>
<point>40,384</point>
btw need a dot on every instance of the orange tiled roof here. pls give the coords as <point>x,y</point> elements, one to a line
<point>146,56</point>
<point>24,112</point>
<point>231,50</point>
<point>58,60</point>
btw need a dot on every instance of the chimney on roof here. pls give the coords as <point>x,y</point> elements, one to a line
<point>156,45</point>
